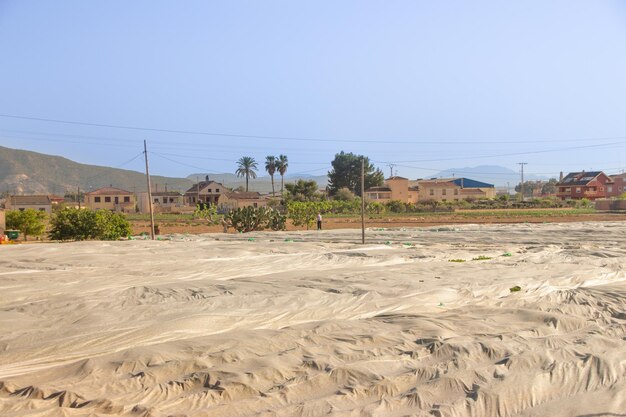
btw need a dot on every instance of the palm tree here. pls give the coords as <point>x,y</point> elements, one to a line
<point>281,166</point>
<point>270,167</point>
<point>246,168</point>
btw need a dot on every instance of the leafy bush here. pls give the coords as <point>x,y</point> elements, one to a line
<point>305,213</point>
<point>249,219</point>
<point>344,194</point>
<point>206,212</point>
<point>83,224</point>
<point>29,222</point>
<point>396,206</point>
<point>375,208</point>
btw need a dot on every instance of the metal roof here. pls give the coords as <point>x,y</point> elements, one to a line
<point>469,183</point>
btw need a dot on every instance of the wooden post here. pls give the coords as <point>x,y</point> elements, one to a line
<point>78,196</point>
<point>363,200</point>
<point>145,151</point>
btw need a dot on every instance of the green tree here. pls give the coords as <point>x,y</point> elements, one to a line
<point>304,213</point>
<point>344,194</point>
<point>246,167</point>
<point>270,167</point>
<point>346,173</point>
<point>549,187</point>
<point>82,224</point>
<point>29,222</point>
<point>282,163</point>
<point>302,190</point>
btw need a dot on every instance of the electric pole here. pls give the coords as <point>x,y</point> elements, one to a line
<point>391,169</point>
<point>363,201</point>
<point>145,151</point>
<point>521,164</point>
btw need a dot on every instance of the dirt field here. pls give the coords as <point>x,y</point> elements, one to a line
<point>198,227</point>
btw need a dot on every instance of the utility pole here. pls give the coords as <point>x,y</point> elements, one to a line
<point>145,152</point>
<point>363,201</point>
<point>78,196</point>
<point>391,169</point>
<point>521,164</point>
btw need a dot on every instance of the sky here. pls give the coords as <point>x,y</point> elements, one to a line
<point>420,85</point>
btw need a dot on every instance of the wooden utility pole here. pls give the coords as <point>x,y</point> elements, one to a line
<point>78,196</point>
<point>145,152</point>
<point>363,201</point>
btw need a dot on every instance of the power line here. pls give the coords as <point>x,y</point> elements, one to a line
<point>446,141</point>
<point>512,153</point>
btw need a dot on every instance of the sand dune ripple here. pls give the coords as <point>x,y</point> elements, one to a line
<point>311,324</point>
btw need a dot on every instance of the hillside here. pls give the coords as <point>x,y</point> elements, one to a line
<point>26,172</point>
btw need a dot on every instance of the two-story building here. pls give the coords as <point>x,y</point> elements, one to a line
<point>437,189</point>
<point>111,198</point>
<point>590,185</point>
<point>394,188</point>
<point>24,202</point>
<point>619,184</point>
<point>447,189</point>
<point>205,192</point>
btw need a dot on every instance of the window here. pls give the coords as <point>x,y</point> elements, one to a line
<point>107,199</point>
<point>456,191</point>
<point>609,188</point>
<point>126,199</point>
<point>443,192</point>
<point>256,204</point>
<point>22,209</point>
<point>217,190</point>
<point>156,200</point>
<point>96,199</point>
<point>432,192</point>
<point>578,190</point>
<point>209,191</point>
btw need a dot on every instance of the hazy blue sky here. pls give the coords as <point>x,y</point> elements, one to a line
<point>427,85</point>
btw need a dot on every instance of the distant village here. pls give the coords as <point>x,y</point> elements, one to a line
<point>592,185</point>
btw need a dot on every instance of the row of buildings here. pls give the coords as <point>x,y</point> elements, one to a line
<point>116,199</point>
<point>576,185</point>
<point>591,185</point>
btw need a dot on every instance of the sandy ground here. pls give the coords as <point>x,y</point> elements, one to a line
<point>315,324</point>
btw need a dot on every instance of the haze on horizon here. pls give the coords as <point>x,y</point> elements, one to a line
<point>422,85</point>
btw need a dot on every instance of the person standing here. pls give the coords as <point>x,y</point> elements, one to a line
<point>319,221</point>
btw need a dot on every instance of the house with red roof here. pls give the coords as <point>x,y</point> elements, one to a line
<point>590,185</point>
